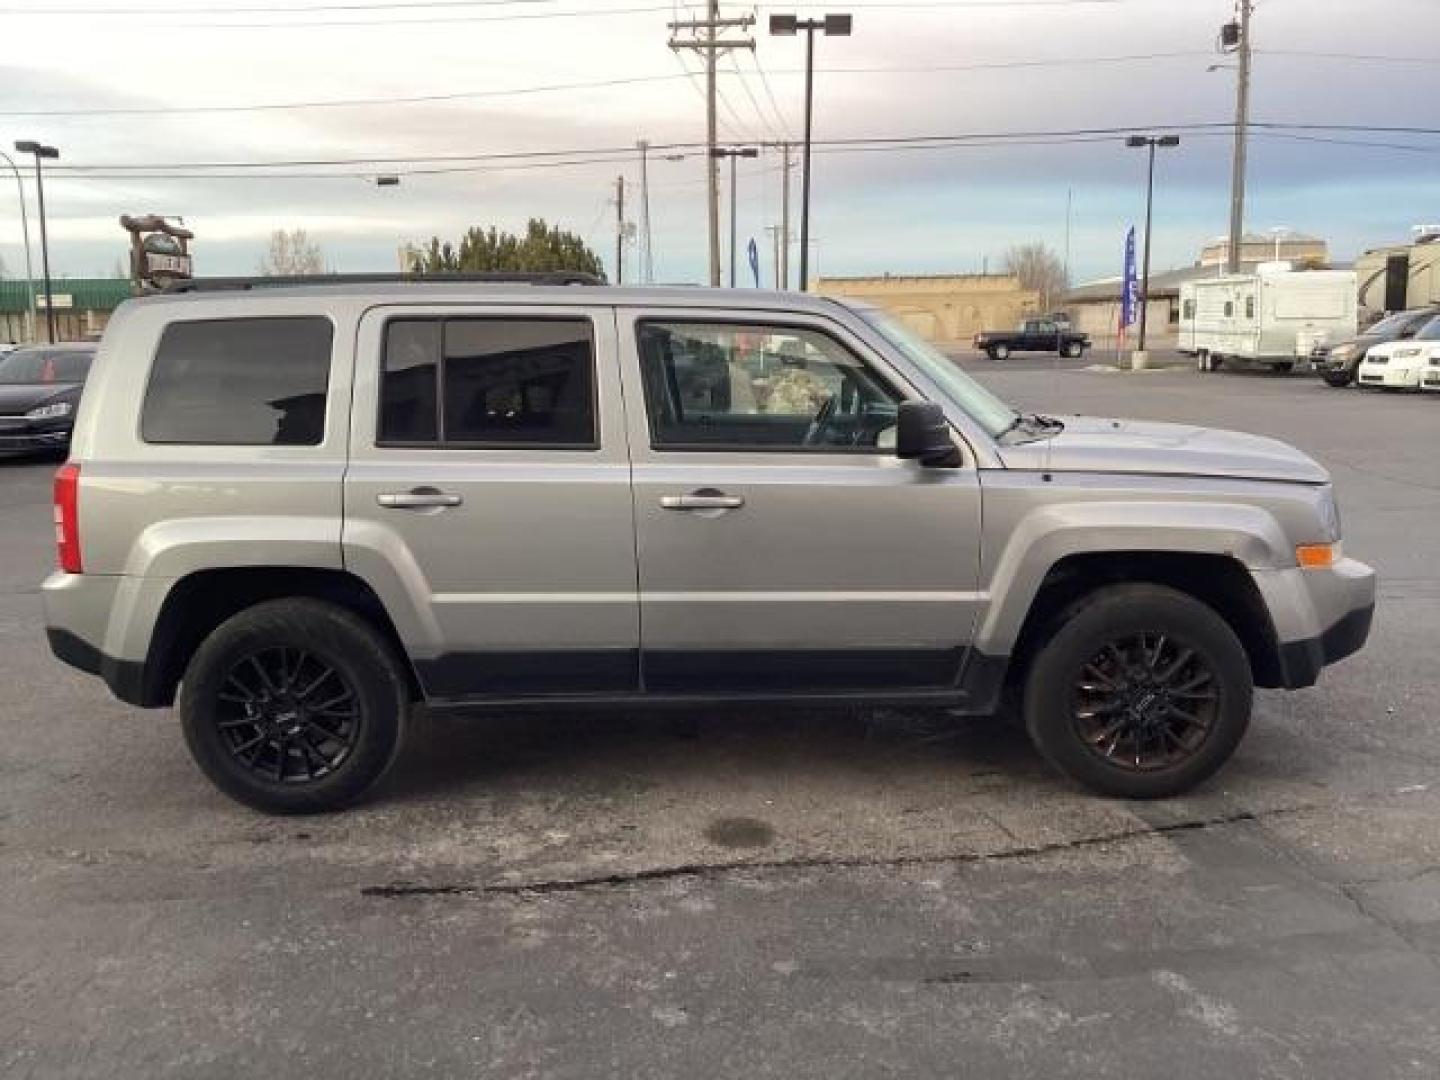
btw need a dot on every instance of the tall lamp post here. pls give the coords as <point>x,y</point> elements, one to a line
<point>789,26</point>
<point>1150,142</point>
<point>733,152</point>
<point>41,152</point>
<point>25,235</point>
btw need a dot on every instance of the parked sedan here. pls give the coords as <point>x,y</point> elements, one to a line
<point>1339,363</point>
<point>1401,365</point>
<point>40,389</point>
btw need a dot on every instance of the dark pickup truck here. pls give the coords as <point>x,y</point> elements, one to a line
<point>1034,335</point>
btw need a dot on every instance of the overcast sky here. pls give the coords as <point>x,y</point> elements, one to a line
<point>920,68</point>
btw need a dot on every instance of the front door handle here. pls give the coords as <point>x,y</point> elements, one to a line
<point>704,499</point>
<point>420,498</point>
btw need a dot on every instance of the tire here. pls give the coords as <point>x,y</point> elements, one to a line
<point>1000,352</point>
<point>1072,351</point>
<point>1283,368</point>
<point>253,730</point>
<point>1063,718</point>
<point>1202,361</point>
<point>1339,379</point>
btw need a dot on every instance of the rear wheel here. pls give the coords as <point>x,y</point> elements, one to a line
<point>1072,350</point>
<point>1283,368</point>
<point>1139,691</point>
<point>293,706</point>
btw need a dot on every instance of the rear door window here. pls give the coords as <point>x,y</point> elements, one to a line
<point>488,383</point>
<point>239,382</point>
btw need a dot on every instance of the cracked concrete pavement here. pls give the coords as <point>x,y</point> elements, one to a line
<point>773,893</point>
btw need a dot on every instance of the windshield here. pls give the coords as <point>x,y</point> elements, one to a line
<point>1390,325</point>
<point>983,407</point>
<point>1430,331</point>
<point>44,366</point>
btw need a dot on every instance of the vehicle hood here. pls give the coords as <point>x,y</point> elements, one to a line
<point>17,399</point>
<point>1092,444</point>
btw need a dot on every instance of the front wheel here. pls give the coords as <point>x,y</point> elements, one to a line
<point>1000,352</point>
<point>1073,350</point>
<point>293,706</point>
<point>1139,691</point>
<point>1340,378</point>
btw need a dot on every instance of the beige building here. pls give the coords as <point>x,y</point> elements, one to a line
<point>944,308</point>
<point>1256,248</point>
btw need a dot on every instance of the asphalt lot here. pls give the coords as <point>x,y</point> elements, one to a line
<point>757,894</point>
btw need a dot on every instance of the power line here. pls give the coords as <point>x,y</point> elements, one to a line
<point>267,10</point>
<point>765,120</point>
<point>995,137</point>
<point>429,20</point>
<point>371,102</point>
<point>770,93</point>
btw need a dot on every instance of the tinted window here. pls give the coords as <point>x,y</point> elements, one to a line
<point>408,404</point>
<point>1249,307</point>
<point>725,386</point>
<point>239,382</point>
<point>1229,308</point>
<point>1430,331</point>
<point>489,382</point>
<point>1189,309</point>
<point>45,366</point>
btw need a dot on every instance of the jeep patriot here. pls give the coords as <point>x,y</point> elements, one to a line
<point>298,509</point>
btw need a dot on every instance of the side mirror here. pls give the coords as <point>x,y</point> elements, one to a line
<point>923,434</point>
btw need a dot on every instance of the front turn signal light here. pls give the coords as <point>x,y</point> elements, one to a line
<point>1317,556</point>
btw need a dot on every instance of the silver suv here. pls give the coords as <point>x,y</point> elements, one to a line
<point>303,508</point>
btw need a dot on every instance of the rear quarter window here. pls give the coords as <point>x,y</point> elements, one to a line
<point>239,382</point>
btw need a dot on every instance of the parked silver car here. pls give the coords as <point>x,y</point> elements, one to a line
<point>303,508</point>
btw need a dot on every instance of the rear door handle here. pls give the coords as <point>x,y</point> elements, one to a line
<point>704,499</point>
<point>420,498</point>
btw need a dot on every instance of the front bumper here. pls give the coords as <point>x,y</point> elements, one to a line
<point>1319,616</point>
<point>24,436</point>
<point>1389,376</point>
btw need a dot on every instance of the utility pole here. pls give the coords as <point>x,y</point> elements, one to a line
<point>711,46</point>
<point>1069,202</point>
<point>619,230</point>
<point>647,262</point>
<point>1236,35</point>
<point>784,276</point>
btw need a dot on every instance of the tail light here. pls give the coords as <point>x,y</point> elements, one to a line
<point>67,518</point>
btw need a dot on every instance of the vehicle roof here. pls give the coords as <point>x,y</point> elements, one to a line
<point>581,295</point>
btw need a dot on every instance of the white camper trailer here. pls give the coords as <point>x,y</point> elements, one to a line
<point>1275,316</point>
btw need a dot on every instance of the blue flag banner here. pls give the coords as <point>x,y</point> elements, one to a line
<point>752,252</point>
<point>1130,292</point>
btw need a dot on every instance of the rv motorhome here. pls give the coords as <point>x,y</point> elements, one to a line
<point>1274,316</point>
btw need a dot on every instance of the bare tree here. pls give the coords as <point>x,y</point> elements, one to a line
<point>291,253</point>
<point>1038,268</point>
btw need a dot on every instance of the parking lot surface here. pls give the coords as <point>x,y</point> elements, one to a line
<point>757,893</point>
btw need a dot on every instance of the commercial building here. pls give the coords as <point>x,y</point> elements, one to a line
<point>82,307</point>
<point>947,309</point>
<point>1274,246</point>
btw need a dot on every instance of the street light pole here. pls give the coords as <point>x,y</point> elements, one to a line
<point>789,26</point>
<point>29,146</point>
<point>25,236</point>
<point>1151,142</point>
<point>733,153</point>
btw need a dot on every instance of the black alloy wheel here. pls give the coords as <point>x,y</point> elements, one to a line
<point>287,715</point>
<point>1144,702</point>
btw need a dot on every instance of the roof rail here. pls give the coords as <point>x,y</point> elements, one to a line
<point>220,284</point>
